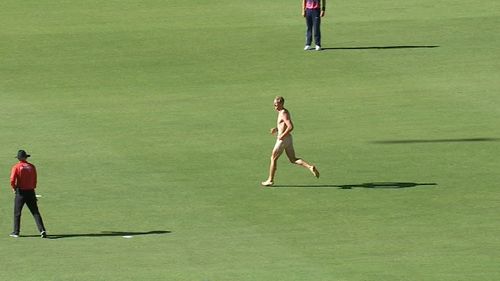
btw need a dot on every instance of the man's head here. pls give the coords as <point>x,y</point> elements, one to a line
<point>22,155</point>
<point>279,102</point>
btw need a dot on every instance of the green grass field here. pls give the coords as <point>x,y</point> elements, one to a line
<point>150,119</point>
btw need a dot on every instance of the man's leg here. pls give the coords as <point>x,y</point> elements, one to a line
<point>33,206</point>
<point>290,153</point>
<point>309,23</point>
<point>317,29</point>
<point>18,207</point>
<point>275,155</point>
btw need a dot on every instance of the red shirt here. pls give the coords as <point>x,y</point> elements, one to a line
<point>23,176</point>
<point>313,4</point>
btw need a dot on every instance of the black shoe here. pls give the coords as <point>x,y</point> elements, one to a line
<point>43,234</point>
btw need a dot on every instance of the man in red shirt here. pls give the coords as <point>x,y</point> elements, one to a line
<point>23,183</point>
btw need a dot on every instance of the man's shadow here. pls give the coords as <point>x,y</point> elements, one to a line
<point>413,141</point>
<point>384,47</point>
<point>392,185</point>
<point>104,234</point>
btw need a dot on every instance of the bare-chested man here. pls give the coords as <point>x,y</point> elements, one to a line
<point>284,142</point>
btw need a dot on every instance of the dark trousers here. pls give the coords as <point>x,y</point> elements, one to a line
<point>313,22</point>
<point>27,197</point>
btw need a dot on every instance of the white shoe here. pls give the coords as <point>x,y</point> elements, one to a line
<point>318,48</point>
<point>307,48</point>
<point>267,183</point>
<point>13,235</point>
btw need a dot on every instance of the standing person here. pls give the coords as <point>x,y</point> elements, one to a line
<point>284,142</point>
<point>313,11</point>
<point>23,182</point>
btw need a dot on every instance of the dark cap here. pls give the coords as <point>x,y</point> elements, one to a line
<point>21,154</point>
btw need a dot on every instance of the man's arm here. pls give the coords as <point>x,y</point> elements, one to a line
<point>323,7</point>
<point>35,176</point>
<point>304,8</point>
<point>13,177</point>
<point>288,123</point>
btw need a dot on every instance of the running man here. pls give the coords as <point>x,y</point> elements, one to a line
<point>284,142</point>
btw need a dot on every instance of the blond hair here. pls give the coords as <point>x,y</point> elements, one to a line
<point>280,99</point>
